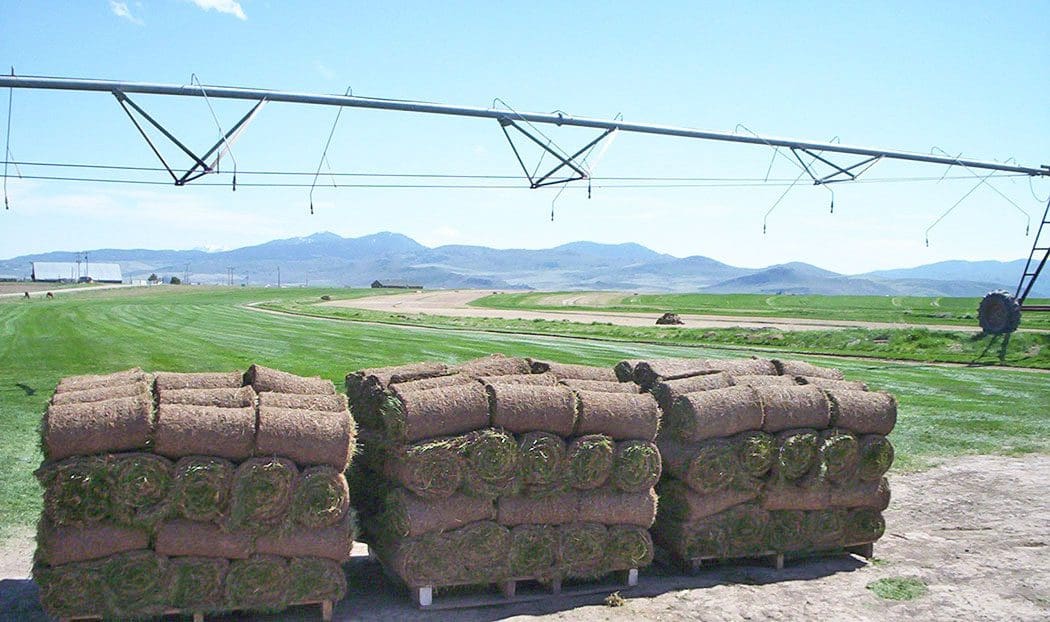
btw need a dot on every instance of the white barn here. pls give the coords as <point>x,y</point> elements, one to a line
<point>55,271</point>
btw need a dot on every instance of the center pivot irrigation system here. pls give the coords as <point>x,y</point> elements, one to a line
<point>999,312</point>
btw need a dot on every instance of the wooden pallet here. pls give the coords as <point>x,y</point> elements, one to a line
<point>510,591</point>
<point>773,558</point>
<point>326,612</point>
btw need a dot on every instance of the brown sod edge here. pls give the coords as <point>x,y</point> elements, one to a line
<point>788,496</point>
<point>526,408</point>
<point>706,467</point>
<point>680,502</point>
<point>309,437</point>
<point>863,412</point>
<point>201,490</point>
<point>622,416</point>
<point>179,538</point>
<point>431,469</point>
<point>80,383</point>
<point>57,545</point>
<point>557,509</point>
<point>406,515</point>
<point>543,380</point>
<point>667,391</point>
<point>590,460</point>
<point>802,368</point>
<point>383,377</point>
<point>744,367</point>
<point>648,373</point>
<point>829,384</point>
<point>333,542</point>
<point>432,383</point>
<point>618,508</point>
<point>712,414</point>
<point>871,495</point>
<point>184,430</point>
<point>495,365</point>
<point>121,424</point>
<point>602,386</point>
<point>325,403</point>
<point>171,381</point>
<point>242,397</point>
<point>764,381</point>
<point>785,408</point>
<point>566,371</point>
<point>266,379</point>
<point>100,394</point>
<point>443,411</point>
<point>636,466</point>
<point>261,493</point>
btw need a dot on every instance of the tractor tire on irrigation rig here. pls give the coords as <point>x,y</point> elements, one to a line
<point>999,313</point>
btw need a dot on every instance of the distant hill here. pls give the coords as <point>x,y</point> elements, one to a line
<point>329,259</point>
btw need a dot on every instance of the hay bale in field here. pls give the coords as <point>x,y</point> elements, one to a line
<point>405,515</point>
<point>81,383</point>
<point>667,391</point>
<point>101,394</point>
<point>325,403</point>
<point>636,466</point>
<point>533,551</point>
<point>492,458</point>
<point>618,508</point>
<point>315,579</point>
<point>523,408</point>
<point>802,368</point>
<point>495,365</point>
<point>430,413</point>
<point>184,430</point>
<point>828,384</point>
<point>267,379</point>
<point>241,397</point>
<point>627,547</point>
<point>58,544</point>
<point>680,502</point>
<point>581,549</point>
<point>839,454</point>
<point>543,380</point>
<point>141,488</point>
<point>261,493</point>
<point>201,488</point>
<point>707,467</point>
<point>556,509</point>
<point>871,495</point>
<point>332,542</point>
<point>122,424</point>
<point>71,589</point>
<point>321,498</point>
<point>648,373</point>
<point>622,416</point>
<point>196,583</point>
<point>543,459</point>
<point>601,386</point>
<point>590,460</point>
<point>431,469</point>
<point>309,437</point>
<point>716,413</point>
<point>76,490</point>
<point>171,381</point>
<point>260,582</point>
<point>862,526</point>
<point>133,584</point>
<point>788,496</point>
<point>750,380</point>
<point>180,538</point>
<point>565,371</point>
<point>796,454</point>
<point>789,407</point>
<point>863,412</point>
<point>624,370</point>
<point>876,457</point>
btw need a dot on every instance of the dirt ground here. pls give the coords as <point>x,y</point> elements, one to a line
<point>975,530</point>
<point>455,303</point>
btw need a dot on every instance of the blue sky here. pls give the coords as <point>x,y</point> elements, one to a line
<point>966,77</point>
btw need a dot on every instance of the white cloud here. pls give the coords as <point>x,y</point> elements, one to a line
<point>230,7</point>
<point>324,70</point>
<point>120,9</point>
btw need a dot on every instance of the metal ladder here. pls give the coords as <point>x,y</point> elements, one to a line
<point>1035,263</point>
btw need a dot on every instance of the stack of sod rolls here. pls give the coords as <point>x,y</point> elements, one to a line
<point>193,492</point>
<point>504,468</point>
<point>766,456</point>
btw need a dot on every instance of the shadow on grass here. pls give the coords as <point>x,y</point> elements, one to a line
<point>1004,344</point>
<point>26,388</point>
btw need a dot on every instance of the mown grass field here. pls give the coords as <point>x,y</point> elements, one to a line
<point>893,309</point>
<point>944,411</point>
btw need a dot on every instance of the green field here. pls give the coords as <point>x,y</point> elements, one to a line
<point>892,309</point>
<point>944,411</point>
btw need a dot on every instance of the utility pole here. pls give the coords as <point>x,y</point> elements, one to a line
<point>186,274</point>
<point>278,277</point>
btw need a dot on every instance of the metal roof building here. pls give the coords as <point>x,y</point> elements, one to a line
<point>52,271</point>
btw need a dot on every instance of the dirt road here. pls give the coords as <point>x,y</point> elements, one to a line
<point>455,303</point>
<point>976,530</point>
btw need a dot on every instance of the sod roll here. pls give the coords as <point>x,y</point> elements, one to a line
<point>648,373</point>
<point>184,430</point>
<point>862,526</point>
<point>744,367</point>
<point>636,466</point>
<point>178,538</point>
<point>122,424</point>
<point>566,371</point>
<point>786,531</point>
<point>624,370</point>
<point>556,509</point>
<point>383,377</point>
<point>492,458</point>
<point>267,379</point>
<point>58,544</point>
<point>602,386</point>
<point>76,490</point>
<point>712,414</point>
<point>427,560</point>
<point>171,381</point>
<point>525,408</point>
<point>140,490</point>
<point>788,496</point>
<point>622,416</point>
<point>747,529</point>
<point>680,502</point>
<point>133,584</point>
<point>261,493</point>
<point>100,394</point>
<point>431,469</point>
<point>196,583</point>
<point>581,549</point>
<point>797,453</point>
<point>332,542</point>
<point>823,529</point>
<point>764,381</point>
<point>667,391</point>
<point>423,384</point>
<point>876,456</point>
<point>871,495</point>
<point>406,515</point>
<point>829,384</point>
<point>495,365</point>
<point>863,412</point>
<point>802,368</point>
<point>839,454</point>
<point>785,408</point>
<point>321,498</point>
<point>201,488</point>
<point>703,539</point>
<point>260,582</point>
<point>71,589</point>
<point>324,403</point>
<point>443,411</point>
<point>309,437</point>
<point>222,398</point>
<point>80,383</point>
<point>542,461</point>
<point>533,551</point>
<point>706,467</point>
<point>590,461</point>
<point>314,579</point>
<point>755,452</point>
<point>543,380</point>
<point>618,508</point>
<point>483,551</point>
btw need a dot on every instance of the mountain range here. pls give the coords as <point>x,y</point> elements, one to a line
<point>329,259</point>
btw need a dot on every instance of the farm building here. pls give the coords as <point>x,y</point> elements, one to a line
<point>55,271</point>
<point>394,285</point>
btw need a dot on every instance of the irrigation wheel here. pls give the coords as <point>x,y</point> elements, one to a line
<point>999,313</point>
